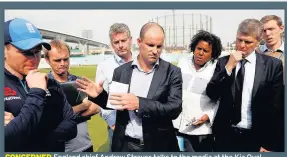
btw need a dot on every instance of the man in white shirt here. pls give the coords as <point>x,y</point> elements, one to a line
<point>248,85</point>
<point>121,41</point>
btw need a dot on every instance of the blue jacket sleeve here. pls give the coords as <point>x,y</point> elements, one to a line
<point>67,129</point>
<point>21,126</point>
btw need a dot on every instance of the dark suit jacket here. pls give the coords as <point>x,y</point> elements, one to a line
<point>265,101</point>
<point>162,105</point>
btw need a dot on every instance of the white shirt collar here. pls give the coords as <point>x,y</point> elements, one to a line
<point>136,64</point>
<point>264,47</point>
<point>119,60</point>
<point>251,57</point>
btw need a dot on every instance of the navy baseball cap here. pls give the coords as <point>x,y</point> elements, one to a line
<point>23,35</point>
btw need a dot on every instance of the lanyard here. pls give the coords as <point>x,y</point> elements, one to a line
<point>24,85</point>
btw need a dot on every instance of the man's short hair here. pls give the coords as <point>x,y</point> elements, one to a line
<point>59,45</point>
<point>272,17</point>
<point>119,28</point>
<point>251,27</point>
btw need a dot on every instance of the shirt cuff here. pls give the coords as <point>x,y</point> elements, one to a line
<point>109,116</point>
<point>228,73</point>
<point>111,121</point>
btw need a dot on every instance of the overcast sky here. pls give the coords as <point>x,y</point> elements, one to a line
<point>224,22</point>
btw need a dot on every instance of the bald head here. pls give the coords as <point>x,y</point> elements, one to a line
<point>150,44</point>
<point>148,26</point>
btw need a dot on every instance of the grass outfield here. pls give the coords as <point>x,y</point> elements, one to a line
<point>97,126</point>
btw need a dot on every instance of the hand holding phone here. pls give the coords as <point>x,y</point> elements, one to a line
<point>193,121</point>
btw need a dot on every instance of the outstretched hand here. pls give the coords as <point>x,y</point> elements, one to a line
<point>89,87</point>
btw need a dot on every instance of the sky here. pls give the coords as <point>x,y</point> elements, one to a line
<point>224,22</point>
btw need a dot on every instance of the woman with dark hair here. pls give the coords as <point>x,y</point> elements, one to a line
<point>198,111</point>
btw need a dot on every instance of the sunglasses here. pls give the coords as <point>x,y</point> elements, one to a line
<point>31,52</point>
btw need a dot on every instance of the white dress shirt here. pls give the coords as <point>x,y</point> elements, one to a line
<point>139,79</point>
<point>249,76</point>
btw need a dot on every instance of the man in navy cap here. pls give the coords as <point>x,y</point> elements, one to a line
<point>37,116</point>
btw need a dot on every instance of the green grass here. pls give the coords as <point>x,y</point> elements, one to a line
<point>97,126</point>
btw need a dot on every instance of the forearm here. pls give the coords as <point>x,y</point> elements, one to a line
<point>101,99</point>
<point>79,108</point>
<point>65,131</point>
<point>21,126</point>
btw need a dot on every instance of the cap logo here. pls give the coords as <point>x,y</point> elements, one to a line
<point>30,28</point>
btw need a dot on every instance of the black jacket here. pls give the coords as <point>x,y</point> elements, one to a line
<point>43,120</point>
<point>162,105</point>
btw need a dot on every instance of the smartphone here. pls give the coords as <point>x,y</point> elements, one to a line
<point>195,121</point>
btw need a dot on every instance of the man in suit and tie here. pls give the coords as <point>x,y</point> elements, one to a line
<point>144,122</point>
<point>248,86</point>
